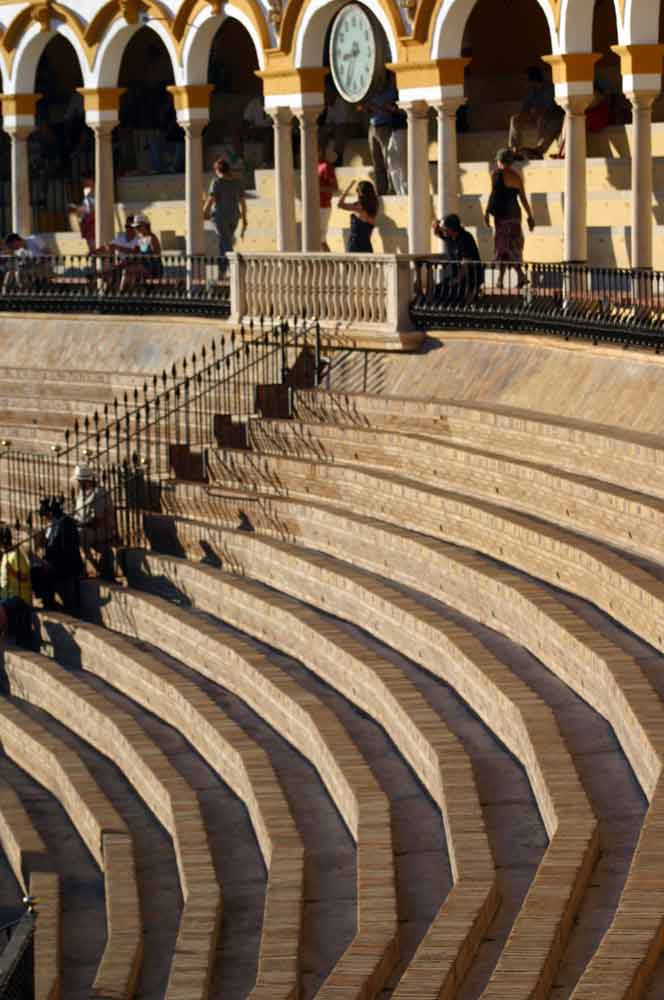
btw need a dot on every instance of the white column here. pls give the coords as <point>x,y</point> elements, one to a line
<point>104,182</point>
<point>576,232</point>
<point>419,197</point>
<point>448,156</point>
<point>193,142</point>
<point>310,189</point>
<point>642,219</point>
<point>20,168</point>
<point>284,179</point>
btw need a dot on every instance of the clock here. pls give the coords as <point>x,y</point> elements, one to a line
<point>355,52</point>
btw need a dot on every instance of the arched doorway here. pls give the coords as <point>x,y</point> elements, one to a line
<point>503,40</point>
<point>148,139</point>
<point>239,130</point>
<point>61,148</point>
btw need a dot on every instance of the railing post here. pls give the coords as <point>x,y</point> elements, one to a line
<point>400,278</point>
<point>238,298</point>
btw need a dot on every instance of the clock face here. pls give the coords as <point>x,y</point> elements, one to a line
<point>353,52</point>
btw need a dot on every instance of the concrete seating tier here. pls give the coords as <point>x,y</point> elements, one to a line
<point>315,732</point>
<point>433,753</point>
<point>392,507</point>
<point>529,730</point>
<point>34,871</point>
<point>625,591</point>
<point>233,756</point>
<point>50,762</point>
<point>611,514</point>
<point>629,459</point>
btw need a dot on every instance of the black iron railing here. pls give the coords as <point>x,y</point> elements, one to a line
<point>121,283</point>
<point>17,959</point>
<point>600,304</point>
<point>166,426</point>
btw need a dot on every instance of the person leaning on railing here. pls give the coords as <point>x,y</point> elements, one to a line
<point>117,255</point>
<point>28,267</point>
<point>462,274</point>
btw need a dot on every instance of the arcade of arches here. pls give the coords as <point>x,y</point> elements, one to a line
<point>144,97</point>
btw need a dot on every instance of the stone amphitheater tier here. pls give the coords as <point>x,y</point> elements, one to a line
<point>379,713</point>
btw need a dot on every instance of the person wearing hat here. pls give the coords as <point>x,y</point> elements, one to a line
<point>508,193</point>
<point>120,249</point>
<point>61,564</point>
<point>94,515</point>
<point>462,275</point>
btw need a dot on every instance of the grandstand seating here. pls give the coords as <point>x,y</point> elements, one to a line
<point>377,712</point>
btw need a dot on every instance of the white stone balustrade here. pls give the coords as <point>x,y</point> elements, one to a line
<point>348,293</point>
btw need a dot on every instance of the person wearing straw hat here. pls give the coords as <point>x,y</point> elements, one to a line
<point>94,514</point>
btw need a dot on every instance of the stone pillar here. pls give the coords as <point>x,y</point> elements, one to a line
<point>642,218</point>
<point>284,178</point>
<point>419,198</point>
<point>448,156</point>
<point>576,233</point>
<point>18,112</point>
<point>311,233</point>
<point>192,107</point>
<point>104,182</point>
<point>20,176</point>
<point>101,114</point>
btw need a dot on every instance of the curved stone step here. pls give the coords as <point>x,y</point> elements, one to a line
<point>605,677</point>
<point>620,588</point>
<point>34,871</point>
<point>106,727</point>
<point>235,758</point>
<point>614,515</point>
<point>505,705</point>
<point>630,459</point>
<point>310,727</point>
<point>384,693</point>
<point>56,766</point>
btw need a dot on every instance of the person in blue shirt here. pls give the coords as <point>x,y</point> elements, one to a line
<point>382,107</point>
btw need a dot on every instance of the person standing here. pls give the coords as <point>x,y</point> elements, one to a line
<point>508,193</point>
<point>86,213</point>
<point>382,106</point>
<point>397,154</point>
<point>226,205</point>
<point>363,216</point>
<point>327,186</point>
<point>539,108</point>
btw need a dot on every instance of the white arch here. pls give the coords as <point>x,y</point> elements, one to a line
<point>576,25</point>
<point>640,23</point>
<point>106,68</point>
<point>200,36</point>
<point>30,50</point>
<point>451,21</point>
<point>310,38</point>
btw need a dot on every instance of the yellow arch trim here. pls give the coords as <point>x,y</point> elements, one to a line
<point>127,9</point>
<point>427,12</point>
<point>190,9</point>
<point>296,9</point>
<point>41,14</point>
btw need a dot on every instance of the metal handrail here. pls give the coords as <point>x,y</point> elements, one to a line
<point>618,305</point>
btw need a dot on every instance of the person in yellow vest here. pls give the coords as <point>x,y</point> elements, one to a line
<point>14,571</point>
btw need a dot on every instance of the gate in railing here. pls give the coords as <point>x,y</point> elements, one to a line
<point>609,304</point>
